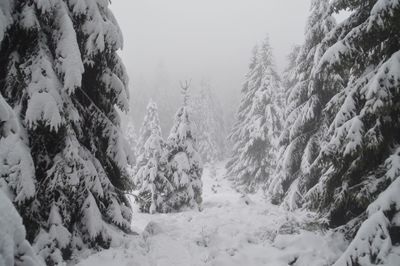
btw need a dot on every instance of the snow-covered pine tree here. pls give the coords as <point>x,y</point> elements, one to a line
<point>303,131</point>
<point>151,124</point>
<point>17,183</point>
<point>240,116</point>
<point>61,73</point>
<point>154,184</point>
<point>209,125</point>
<point>17,172</point>
<point>360,164</point>
<point>256,131</point>
<point>17,175</point>
<point>151,181</point>
<point>289,82</point>
<point>290,79</point>
<point>15,249</point>
<point>185,166</point>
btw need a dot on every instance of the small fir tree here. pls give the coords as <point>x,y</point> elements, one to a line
<point>155,185</point>
<point>151,124</point>
<point>185,166</point>
<point>151,179</point>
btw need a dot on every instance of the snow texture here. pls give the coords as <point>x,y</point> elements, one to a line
<point>229,231</point>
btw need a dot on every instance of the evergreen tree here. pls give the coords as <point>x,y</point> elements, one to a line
<point>17,172</point>
<point>15,249</point>
<point>17,175</point>
<point>151,124</point>
<point>17,183</point>
<point>154,184</point>
<point>185,166</point>
<point>290,80</point>
<point>234,135</point>
<point>256,131</point>
<point>150,177</point>
<point>304,125</point>
<point>359,165</point>
<point>61,73</point>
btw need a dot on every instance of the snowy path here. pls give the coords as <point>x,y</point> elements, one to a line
<point>230,231</point>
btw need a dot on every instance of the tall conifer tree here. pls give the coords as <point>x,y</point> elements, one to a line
<point>303,131</point>
<point>61,74</point>
<point>256,131</point>
<point>359,165</point>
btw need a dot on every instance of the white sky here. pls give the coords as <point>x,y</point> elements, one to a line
<point>209,39</point>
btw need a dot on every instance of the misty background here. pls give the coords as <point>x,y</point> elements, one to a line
<point>207,42</point>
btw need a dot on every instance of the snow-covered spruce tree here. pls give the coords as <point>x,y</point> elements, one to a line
<point>151,124</point>
<point>17,172</point>
<point>289,82</point>
<point>209,125</point>
<point>360,163</point>
<point>154,184</point>
<point>240,116</point>
<point>150,177</point>
<point>290,79</point>
<point>15,249</point>
<point>184,163</point>
<point>17,183</point>
<point>17,175</point>
<point>304,130</point>
<point>379,234</point>
<point>61,73</point>
<point>256,132</point>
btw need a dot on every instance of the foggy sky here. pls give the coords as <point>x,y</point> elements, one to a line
<point>205,39</point>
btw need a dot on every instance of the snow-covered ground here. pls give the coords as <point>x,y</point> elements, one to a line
<point>230,230</point>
